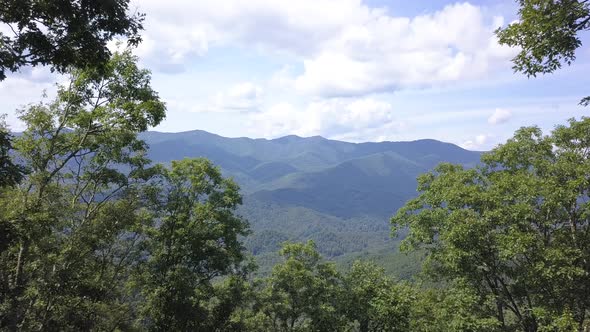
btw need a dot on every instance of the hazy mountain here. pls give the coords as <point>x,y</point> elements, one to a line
<point>340,194</point>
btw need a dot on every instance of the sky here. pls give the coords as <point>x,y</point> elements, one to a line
<point>352,70</point>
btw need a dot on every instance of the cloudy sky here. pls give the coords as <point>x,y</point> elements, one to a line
<point>353,70</point>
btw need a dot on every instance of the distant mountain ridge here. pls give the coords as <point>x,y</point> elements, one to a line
<point>341,194</point>
<point>290,154</point>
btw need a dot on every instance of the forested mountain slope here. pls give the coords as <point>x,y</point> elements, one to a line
<point>337,193</point>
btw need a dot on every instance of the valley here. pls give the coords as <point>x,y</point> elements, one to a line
<point>341,195</point>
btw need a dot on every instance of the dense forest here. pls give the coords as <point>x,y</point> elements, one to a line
<point>341,195</point>
<point>95,236</point>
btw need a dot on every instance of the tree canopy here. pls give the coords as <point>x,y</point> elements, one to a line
<point>516,230</point>
<point>63,33</point>
<point>195,242</point>
<point>548,34</point>
<point>96,237</point>
<point>65,264</point>
<point>10,173</point>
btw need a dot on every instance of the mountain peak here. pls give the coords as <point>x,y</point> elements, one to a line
<point>288,139</point>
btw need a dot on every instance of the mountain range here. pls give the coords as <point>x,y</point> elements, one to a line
<point>339,194</point>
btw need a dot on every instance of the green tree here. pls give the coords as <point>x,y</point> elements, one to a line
<point>77,218</point>
<point>453,308</point>
<point>63,33</point>
<point>195,242</point>
<point>548,34</point>
<point>302,292</point>
<point>516,230</point>
<point>373,301</point>
<point>10,173</point>
<point>230,307</point>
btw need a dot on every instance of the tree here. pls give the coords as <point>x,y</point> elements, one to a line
<point>453,308</point>
<point>10,173</point>
<point>515,231</point>
<point>373,301</point>
<point>77,218</point>
<point>548,34</point>
<point>302,292</point>
<point>230,307</point>
<point>195,242</point>
<point>97,237</point>
<point>63,33</point>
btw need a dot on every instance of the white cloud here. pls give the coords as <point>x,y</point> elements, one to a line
<point>477,143</point>
<point>283,78</point>
<point>346,47</point>
<point>387,53</point>
<point>500,116</point>
<point>26,87</point>
<point>343,118</point>
<point>245,90</point>
<point>388,131</point>
<point>298,27</point>
<point>242,97</point>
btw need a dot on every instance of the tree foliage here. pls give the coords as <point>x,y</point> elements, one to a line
<point>515,230</point>
<point>10,172</point>
<point>548,35</point>
<point>195,242</point>
<point>76,214</point>
<point>373,301</point>
<point>95,237</point>
<point>454,308</point>
<point>63,33</point>
<point>304,293</point>
<point>301,293</point>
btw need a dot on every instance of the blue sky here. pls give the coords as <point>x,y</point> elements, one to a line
<point>352,70</point>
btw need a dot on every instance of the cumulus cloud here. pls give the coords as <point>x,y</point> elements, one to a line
<point>346,47</point>
<point>388,131</point>
<point>386,53</point>
<point>476,143</point>
<point>23,88</point>
<point>344,118</point>
<point>283,78</point>
<point>337,54</point>
<point>500,116</point>
<point>242,97</point>
<point>192,27</point>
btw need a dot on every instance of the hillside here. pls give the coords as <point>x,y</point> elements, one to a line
<point>337,193</point>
